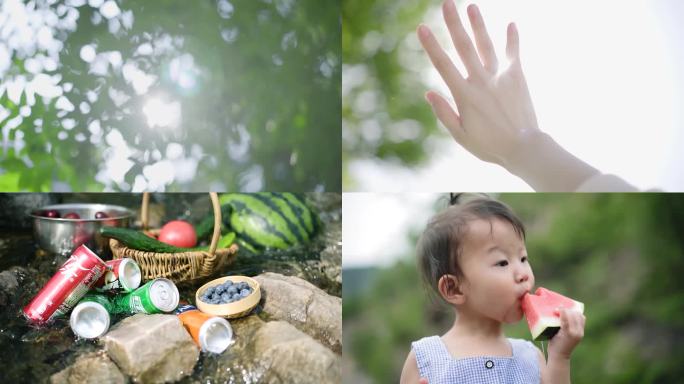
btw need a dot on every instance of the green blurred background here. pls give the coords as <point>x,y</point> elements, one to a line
<point>384,115</point>
<point>170,95</point>
<point>620,254</point>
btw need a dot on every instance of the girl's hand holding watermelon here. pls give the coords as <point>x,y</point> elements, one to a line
<point>570,334</point>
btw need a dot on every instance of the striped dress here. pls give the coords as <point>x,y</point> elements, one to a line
<point>438,366</point>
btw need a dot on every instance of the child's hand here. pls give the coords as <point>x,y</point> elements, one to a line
<point>570,334</point>
<point>495,117</point>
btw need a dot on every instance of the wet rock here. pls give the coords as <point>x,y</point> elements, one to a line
<point>90,368</point>
<point>288,355</point>
<point>303,305</point>
<point>151,348</point>
<point>239,363</point>
<point>10,281</point>
<point>331,256</point>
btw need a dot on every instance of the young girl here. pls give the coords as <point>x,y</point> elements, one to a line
<point>473,255</point>
<point>495,118</point>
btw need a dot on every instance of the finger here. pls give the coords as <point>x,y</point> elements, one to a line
<point>423,381</point>
<point>484,44</point>
<point>446,114</point>
<point>441,61</point>
<point>577,329</point>
<point>572,321</point>
<point>464,46</point>
<point>565,323</point>
<point>512,43</point>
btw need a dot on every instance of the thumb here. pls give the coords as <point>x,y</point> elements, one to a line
<point>422,381</point>
<point>446,114</point>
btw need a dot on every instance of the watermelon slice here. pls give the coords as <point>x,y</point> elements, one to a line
<point>541,311</point>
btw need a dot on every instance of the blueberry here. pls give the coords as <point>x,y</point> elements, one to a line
<point>228,283</point>
<point>209,290</point>
<point>244,293</point>
<point>215,301</point>
<point>225,297</point>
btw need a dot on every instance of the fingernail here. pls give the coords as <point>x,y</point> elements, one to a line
<point>427,98</point>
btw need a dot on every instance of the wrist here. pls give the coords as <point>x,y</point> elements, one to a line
<point>532,143</point>
<point>545,165</point>
<point>559,357</point>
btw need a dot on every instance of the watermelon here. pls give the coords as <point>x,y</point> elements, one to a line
<point>541,311</point>
<point>264,220</point>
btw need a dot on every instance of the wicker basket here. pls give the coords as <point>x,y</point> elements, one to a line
<point>182,266</point>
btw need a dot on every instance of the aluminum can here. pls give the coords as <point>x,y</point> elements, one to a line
<point>156,296</point>
<point>212,333</point>
<point>121,275</point>
<point>90,318</point>
<point>66,287</point>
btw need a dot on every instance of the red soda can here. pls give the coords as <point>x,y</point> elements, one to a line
<point>66,287</point>
<point>121,275</point>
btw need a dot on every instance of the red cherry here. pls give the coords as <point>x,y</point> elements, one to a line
<point>72,215</point>
<point>101,215</point>
<point>53,214</point>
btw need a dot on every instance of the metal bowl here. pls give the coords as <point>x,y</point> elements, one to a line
<point>62,236</point>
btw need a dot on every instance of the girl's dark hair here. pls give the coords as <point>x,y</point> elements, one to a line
<point>439,247</point>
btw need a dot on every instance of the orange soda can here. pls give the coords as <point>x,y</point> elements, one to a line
<point>212,333</point>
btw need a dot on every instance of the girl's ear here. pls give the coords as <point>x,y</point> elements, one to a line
<point>450,289</point>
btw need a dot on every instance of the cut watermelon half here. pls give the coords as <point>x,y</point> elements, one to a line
<point>541,311</point>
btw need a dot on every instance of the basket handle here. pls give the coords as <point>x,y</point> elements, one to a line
<point>144,216</point>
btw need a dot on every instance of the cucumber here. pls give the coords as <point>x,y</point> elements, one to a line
<point>225,241</point>
<point>137,240</point>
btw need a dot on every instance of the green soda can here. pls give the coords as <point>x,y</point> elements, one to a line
<point>90,318</point>
<point>99,298</point>
<point>156,296</point>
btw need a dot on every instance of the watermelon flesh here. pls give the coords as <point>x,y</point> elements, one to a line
<point>542,312</point>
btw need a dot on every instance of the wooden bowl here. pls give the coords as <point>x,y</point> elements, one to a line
<point>231,310</point>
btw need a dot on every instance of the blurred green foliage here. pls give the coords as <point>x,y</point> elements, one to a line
<point>620,254</point>
<point>270,80</point>
<point>384,113</point>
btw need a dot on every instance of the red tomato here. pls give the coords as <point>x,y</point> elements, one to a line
<point>179,234</point>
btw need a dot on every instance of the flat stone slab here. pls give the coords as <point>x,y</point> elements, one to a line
<point>291,356</point>
<point>302,304</point>
<point>151,348</point>
<point>90,368</point>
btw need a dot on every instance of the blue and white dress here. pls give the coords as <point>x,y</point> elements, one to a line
<point>437,365</point>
